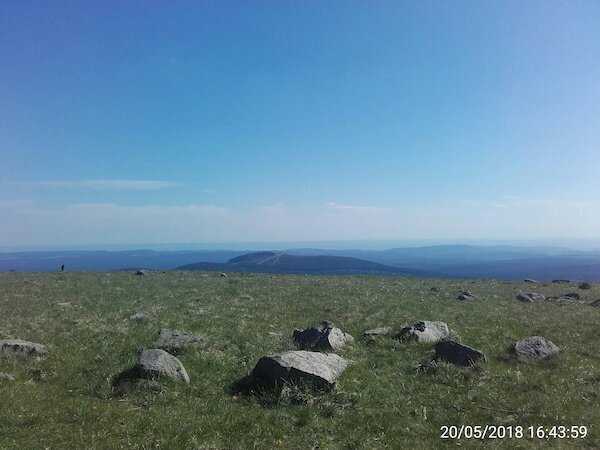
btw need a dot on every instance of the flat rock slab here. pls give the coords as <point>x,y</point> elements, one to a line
<point>326,337</point>
<point>424,332</point>
<point>156,364</point>
<point>452,352</point>
<point>22,347</point>
<point>381,331</point>
<point>142,315</point>
<point>173,340</point>
<point>533,348</point>
<point>320,369</point>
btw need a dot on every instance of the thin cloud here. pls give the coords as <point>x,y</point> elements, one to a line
<point>117,184</point>
<point>357,209</point>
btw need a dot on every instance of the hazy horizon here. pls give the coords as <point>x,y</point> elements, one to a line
<point>126,123</point>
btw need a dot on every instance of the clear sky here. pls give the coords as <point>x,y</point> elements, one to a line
<point>128,122</point>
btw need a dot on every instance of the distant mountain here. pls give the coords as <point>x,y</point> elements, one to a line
<point>102,260</point>
<point>276,262</point>
<point>451,261</point>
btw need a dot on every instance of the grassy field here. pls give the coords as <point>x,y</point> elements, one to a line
<point>65,400</point>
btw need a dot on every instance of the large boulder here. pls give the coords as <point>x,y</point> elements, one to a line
<point>452,352</point>
<point>536,296</point>
<point>156,364</point>
<point>585,285</point>
<point>22,347</point>
<point>174,341</point>
<point>425,332</point>
<point>319,369</point>
<point>325,337</point>
<point>533,348</point>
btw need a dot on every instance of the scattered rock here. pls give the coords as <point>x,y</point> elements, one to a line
<point>435,289</point>
<point>595,303</point>
<point>6,376</point>
<point>141,272</point>
<point>381,331</point>
<point>141,315</point>
<point>22,347</point>
<point>174,341</point>
<point>224,275</point>
<point>536,296</point>
<point>274,333</point>
<point>37,375</point>
<point>585,286</point>
<point>466,295</point>
<point>524,298</point>
<point>529,280</point>
<point>561,281</point>
<point>452,352</point>
<point>533,348</point>
<point>320,369</point>
<point>156,364</point>
<point>573,295</point>
<point>560,299</point>
<point>63,304</point>
<point>325,337</point>
<point>424,332</point>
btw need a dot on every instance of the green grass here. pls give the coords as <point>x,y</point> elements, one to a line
<point>380,402</point>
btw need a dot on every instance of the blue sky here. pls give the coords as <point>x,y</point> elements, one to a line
<point>168,122</point>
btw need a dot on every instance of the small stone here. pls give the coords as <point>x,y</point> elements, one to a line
<point>524,298</point>
<point>533,348</point>
<point>174,341</point>
<point>141,272</point>
<point>585,286</point>
<point>595,303</point>
<point>561,281</point>
<point>141,315</point>
<point>6,376</point>
<point>224,275</point>
<point>424,332</point>
<point>452,352</point>
<point>156,364</point>
<point>22,347</point>
<point>435,289</point>
<point>536,296</point>
<point>381,331</point>
<point>529,280</point>
<point>466,295</point>
<point>573,295</point>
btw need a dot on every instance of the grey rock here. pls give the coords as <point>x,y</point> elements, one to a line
<point>381,331</point>
<point>141,315</point>
<point>452,352</point>
<point>536,296</point>
<point>6,376</point>
<point>524,298</point>
<point>595,303</point>
<point>156,364</point>
<point>424,332</point>
<point>141,272</point>
<point>173,340</point>
<point>561,281</point>
<point>466,295</point>
<point>585,286</point>
<point>566,298</point>
<point>320,369</point>
<point>325,337</point>
<point>529,280</point>
<point>224,275</point>
<point>22,347</point>
<point>533,348</point>
<point>573,295</point>
<point>435,289</point>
